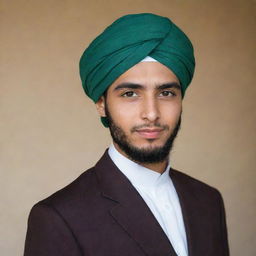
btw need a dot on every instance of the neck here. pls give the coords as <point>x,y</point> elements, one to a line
<point>157,167</point>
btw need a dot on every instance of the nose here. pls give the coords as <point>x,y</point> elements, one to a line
<point>150,109</point>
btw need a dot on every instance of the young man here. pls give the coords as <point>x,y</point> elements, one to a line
<point>132,202</point>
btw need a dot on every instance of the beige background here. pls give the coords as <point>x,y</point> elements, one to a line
<point>50,131</point>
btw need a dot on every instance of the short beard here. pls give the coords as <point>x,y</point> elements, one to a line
<point>147,155</point>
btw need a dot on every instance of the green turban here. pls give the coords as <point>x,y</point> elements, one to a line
<point>129,40</point>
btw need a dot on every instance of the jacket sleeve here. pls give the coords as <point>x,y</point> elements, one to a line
<point>49,235</point>
<point>224,229</point>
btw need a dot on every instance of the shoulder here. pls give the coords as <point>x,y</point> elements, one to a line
<point>81,196</point>
<point>194,186</point>
<point>72,195</point>
<point>52,221</point>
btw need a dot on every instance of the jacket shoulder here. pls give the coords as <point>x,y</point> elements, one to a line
<point>74,193</point>
<point>192,184</point>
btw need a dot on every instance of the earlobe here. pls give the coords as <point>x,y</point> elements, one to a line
<point>100,106</point>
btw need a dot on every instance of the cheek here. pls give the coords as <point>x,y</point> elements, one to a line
<point>171,113</point>
<point>124,115</point>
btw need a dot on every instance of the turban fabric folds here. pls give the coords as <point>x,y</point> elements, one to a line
<point>129,40</point>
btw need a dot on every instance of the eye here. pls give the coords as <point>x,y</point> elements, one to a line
<point>167,94</point>
<point>129,94</point>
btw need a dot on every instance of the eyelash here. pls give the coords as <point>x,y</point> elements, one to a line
<point>170,93</point>
<point>126,94</point>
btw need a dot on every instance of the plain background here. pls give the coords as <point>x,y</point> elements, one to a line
<point>50,131</point>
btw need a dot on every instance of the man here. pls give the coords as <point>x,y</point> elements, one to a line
<point>131,202</point>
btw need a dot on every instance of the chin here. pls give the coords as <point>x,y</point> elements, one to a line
<point>148,146</point>
<point>150,143</point>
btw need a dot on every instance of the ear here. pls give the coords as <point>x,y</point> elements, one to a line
<point>100,106</point>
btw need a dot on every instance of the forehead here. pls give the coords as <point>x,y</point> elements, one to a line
<point>147,74</point>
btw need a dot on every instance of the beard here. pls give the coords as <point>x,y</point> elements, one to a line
<point>146,155</point>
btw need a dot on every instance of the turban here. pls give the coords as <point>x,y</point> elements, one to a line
<point>126,42</point>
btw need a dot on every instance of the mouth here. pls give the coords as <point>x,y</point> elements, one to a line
<point>150,133</point>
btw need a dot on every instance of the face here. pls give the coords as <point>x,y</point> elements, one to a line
<point>143,107</point>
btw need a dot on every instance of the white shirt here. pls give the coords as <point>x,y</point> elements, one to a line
<point>159,194</point>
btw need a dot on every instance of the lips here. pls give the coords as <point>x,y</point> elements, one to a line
<point>150,133</point>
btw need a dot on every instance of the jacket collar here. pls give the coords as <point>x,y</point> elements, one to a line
<point>130,210</point>
<point>190,207</point>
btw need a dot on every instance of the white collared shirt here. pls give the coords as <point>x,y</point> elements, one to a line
<point>160,195</point>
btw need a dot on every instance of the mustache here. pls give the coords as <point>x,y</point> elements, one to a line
<point>142,126</point>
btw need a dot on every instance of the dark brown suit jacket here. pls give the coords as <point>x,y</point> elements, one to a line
<point>102,214</point>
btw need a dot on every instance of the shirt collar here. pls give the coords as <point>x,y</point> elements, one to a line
<point>138,175</point>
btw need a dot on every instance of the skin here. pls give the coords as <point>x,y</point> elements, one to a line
<point>146,103</point>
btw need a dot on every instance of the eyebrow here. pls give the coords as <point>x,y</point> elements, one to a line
<point>169,86</point>
<point>128,86</point>
<point>139,86</point>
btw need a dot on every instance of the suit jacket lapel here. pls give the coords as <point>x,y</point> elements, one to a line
<point>189,206</point>
<point>131,212</point>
